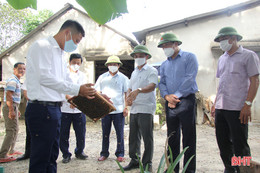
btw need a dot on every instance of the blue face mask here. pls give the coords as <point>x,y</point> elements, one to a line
<point>70,46</point>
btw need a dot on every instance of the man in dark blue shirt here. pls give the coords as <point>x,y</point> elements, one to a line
<point>178,87</point>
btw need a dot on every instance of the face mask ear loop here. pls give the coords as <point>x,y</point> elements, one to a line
<point>71,36</point>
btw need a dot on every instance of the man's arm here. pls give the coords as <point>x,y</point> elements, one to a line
<point>25,94</point>
<point>125,112</point>
<point>9,102</point>
<point>245,113</point>
<point>133,94</point>
<point>162,83</point>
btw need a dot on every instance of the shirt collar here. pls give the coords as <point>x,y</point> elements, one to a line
<point>108,74</point>
<point>179,55</point>
<point>239,51</point>
<point>144,67</point>
<point>16,77</point>
<point>53,42</point>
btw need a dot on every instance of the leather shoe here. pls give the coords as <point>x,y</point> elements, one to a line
<point>66,159</point>
<point>81,156</point>
<point>23,157</point>
<point>131,165</point>
<point>150,168</point>
<point>102,158</point>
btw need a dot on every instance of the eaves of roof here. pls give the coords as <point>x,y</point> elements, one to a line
<point>41,27</point>
<point>140,35</point>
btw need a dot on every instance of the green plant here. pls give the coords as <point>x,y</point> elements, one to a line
<point>159,108</point>
<point>161,166</point>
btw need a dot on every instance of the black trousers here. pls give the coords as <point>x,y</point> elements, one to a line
<point>182,118</point>
<point>141,125</point>
<point>27,141</point>
<point>44,125</point>
<point>231,137</point>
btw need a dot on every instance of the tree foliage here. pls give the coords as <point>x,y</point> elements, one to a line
<point>34,20</point>
<point>15,24</point>
<point>11,25</point>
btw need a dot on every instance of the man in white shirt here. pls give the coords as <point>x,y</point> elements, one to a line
<point>70,115</point>
<point>115,85</point>
<point>141,98</point>
<point>46,85</point>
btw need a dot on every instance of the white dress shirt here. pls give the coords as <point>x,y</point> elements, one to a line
<point>115,88</point>
<point>144,102</point>
<point>76,78</point>
<point>46,72</point>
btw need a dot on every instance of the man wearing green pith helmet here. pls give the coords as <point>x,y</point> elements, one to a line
<point>114,84</point>
<point>141,98</point>
<point>238,73</point>
<point>178,87</point>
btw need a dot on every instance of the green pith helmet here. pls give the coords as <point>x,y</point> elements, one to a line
<point>228,31</point>
<point>141,49</point>
<point>113,59</point>
<point>168,37</point>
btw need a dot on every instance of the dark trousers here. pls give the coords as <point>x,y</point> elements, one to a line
<point>27,140</point>
<point>44,127</point>
<point>182,118</point>
<point>119,122</point>
<point>79,125</point>
<point>231,137</point>
<point>141,125</point>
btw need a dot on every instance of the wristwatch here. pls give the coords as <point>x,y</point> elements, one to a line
<point>248,103</point>
<point>139,90</point>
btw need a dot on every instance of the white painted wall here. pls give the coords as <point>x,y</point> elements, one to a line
<point>198,37</point>
<point>96,37</point>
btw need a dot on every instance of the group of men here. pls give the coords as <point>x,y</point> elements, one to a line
<point>48,84</point>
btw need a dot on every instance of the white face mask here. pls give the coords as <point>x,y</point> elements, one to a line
<point>168,51</point>
<point>225,46</point>
<point>113,69</point>
<point>74,67</point>
<point>140,61</point>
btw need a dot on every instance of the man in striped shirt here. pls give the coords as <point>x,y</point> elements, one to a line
<point>12,98</point>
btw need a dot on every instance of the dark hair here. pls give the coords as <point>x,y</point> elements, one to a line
<point>75,56</point>
<point>18,63</point>
<point>74,25</point>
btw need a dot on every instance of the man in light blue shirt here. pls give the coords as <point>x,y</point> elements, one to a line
<point>141,98</point>
<point>178,87</point>
<point>115,85</point>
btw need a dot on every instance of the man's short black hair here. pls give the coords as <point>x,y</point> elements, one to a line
<point>75,56</point>
<point>18,63</point>
<point>74,25</point>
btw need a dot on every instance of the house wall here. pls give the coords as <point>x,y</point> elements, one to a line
<point>96,38</point>
<point>198,38</point>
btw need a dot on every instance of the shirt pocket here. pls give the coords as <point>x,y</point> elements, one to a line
<point>237,68</point>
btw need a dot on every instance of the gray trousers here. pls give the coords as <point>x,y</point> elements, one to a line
<point>11,131</point>
<point>141,125</point>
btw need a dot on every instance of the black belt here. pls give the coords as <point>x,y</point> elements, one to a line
<point>46,103</point>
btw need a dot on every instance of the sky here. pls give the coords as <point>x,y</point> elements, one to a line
<point>147,13</point>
